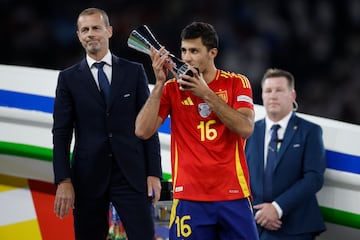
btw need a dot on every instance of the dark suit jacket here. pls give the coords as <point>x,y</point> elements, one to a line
<point>100,131</point>
<point>298,174</point>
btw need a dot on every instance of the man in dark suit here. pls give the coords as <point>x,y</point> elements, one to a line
<point>109,163</point>
<point>286,176</point>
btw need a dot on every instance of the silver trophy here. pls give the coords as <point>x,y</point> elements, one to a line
<point>142,39</point>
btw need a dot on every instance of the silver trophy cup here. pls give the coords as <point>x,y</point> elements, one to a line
<point>142,39</point>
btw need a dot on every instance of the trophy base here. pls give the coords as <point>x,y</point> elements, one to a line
<point>184,69</point>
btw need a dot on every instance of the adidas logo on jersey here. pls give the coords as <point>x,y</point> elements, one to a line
<point>187,102</point>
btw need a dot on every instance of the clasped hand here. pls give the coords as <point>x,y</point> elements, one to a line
<point>267,217</point>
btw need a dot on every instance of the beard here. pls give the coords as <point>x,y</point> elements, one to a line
<point>92,47</point>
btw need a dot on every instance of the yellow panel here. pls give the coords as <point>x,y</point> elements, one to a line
<point>20,231</point>
<point>9,182</point>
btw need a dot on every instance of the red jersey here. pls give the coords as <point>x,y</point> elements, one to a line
<point>208,160</point>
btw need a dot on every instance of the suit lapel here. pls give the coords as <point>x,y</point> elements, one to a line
<point>118,77</point>
<point>291,129</point>
<point>259,138</point>
<point>89,82</point>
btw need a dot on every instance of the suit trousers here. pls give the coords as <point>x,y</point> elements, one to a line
<point>91,216</point>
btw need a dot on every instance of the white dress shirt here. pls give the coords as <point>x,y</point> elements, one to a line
<point>281,131</point>
<point>107,67</point>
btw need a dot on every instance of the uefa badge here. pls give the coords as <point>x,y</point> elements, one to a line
<point>204,110</point>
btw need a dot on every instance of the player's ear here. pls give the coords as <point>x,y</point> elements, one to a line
<point>213,52</point>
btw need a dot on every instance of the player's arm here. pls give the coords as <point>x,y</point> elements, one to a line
<point>148,121</point>
<point>240,121</point>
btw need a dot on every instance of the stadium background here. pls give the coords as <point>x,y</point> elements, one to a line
<point>317,40</point>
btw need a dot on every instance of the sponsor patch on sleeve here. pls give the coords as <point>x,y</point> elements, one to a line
<point>244,98</point>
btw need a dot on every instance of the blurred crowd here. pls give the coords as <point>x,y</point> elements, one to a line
<point>317,40</point>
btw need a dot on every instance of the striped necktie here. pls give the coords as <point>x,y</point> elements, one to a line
<point>270,164</point>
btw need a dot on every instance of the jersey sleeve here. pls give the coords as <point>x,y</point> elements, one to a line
<point>243,92</point>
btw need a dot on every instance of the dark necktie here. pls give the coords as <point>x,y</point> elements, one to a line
<point>270,163</point>
<point>103,82</point>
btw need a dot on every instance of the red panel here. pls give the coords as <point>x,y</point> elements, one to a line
<point>51,227</point>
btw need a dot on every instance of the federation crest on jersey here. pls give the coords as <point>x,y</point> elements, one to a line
<point>204,110</point>
<point>223,95</point>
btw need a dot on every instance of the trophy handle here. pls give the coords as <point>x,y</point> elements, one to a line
<point>141,39</point>
<point>145,31</point>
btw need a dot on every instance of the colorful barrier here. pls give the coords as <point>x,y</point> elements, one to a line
<point>26,99</point>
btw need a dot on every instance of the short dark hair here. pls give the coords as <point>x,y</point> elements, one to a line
<point>202,30</point>
<point>276,72</point>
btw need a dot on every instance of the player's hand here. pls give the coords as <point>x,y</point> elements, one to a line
<point>161,64</point>
<point>193,82</point>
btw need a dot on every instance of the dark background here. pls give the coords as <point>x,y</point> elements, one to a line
<point>317,40</point>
